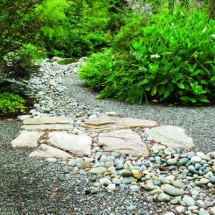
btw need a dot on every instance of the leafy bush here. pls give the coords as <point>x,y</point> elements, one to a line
<point>11,103</point>
<point>172,60</point>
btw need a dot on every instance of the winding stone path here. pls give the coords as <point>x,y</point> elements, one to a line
<point>57,137</point>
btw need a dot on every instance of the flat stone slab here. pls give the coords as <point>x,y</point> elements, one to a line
<point>110,123</point>
<point>123,141</point>
<point>48,120</point>
<point>49,127</point>
<point>78,144</point>
<point>172,136</point>
<point>47,151</point>
<point>27,139</point>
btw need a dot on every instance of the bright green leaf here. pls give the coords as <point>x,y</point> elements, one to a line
<point>154,90</point>
<point>185,98</point>
<point>167,93</point>
<point>180,85</point>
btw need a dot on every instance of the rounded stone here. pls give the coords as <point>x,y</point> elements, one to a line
<point>173,191</point>
<point>212,179</point>
<point>164,197</point>
<point>98,170</point>
<point>180,209</point>
<point>136,174</point>
<point>178,184</point>
<point>188,200</point>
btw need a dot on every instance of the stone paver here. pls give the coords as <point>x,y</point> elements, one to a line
<point>47,151</point>
<point>27,139</point>
<point>50,127</point>
<point>47,120</point>
<point>172,136</point>
<point>78,144</point>
<point>110,123</point>
<point>123,141</point>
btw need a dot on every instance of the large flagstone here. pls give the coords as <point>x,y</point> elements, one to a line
<point>110,123</point>
<point>27,139</point>
<point>49,127</point>
<point>78,144</point>
<point>123,141</point>
<point>49,152</point>
<point>172,136</point>
<point>48,120</point>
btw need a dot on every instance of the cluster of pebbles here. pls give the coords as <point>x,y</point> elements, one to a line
<point>182,180</point>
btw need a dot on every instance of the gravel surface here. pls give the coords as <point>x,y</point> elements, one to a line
<point>199,122</point>
<point>35,186</point>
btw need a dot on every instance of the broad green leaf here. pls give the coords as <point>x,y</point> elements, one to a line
<point>203,100</point>
<point>193,100</point>
<point>148,88</point>
<point>145,81</point>
<point>185,98</point>
<point>204,82</point>
<point>212,79</point>
<point>161,89</point>
<point>164,81</point>
<point>167,93</point>
<point>180,85</point>
<point>178,76</point>
<point>197,72</point>
<point>154,90</point>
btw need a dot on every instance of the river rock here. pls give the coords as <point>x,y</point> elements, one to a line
<point>98,170</point>
<point>188,200</point>
<point>173,191</point>
<point>164,197</point>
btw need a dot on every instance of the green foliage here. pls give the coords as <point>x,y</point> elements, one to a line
<point>11,103</point>
<point>88,27</point>
<point>172,60</point>
<point>24,23</point>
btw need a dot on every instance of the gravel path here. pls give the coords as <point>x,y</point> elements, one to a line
<point>34,186</point>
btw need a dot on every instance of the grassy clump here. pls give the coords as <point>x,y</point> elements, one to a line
<point>170,58</point>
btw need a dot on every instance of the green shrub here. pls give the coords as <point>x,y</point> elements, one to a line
<point>11,103</point>
<point>173,60</point>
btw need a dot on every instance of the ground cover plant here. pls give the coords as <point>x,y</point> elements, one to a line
<point>11,103</point>
<point>170,58</point>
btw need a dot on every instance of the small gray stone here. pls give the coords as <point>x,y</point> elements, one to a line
<point>126,173</point>
<point>164,197</point>
<point>98,170</point>
<point>192,169</point>
<point>173,191</point>
<point>117,181</point>
<point>180,209</point>
<point>134,187</point>
<point>52,160</point>
<point>212,179</point>
<point>128,180</point>
<point>131,208</point>
<point>203,212</point>
<point>183,161</point>
<point>178,184</point>
<point>188,200</point>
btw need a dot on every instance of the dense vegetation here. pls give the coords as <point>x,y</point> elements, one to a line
<point>139,51</point>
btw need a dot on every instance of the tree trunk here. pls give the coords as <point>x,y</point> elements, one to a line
<point>211,9</point>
